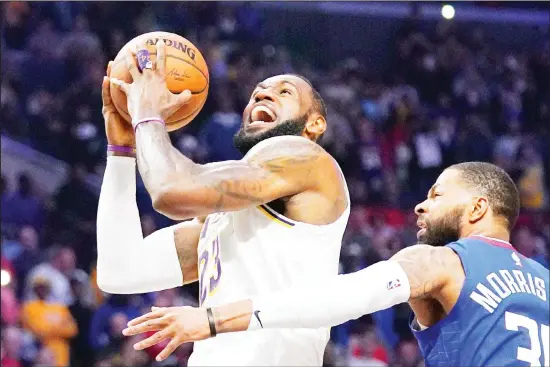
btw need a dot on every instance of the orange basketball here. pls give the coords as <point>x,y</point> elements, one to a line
<point>185,69</point>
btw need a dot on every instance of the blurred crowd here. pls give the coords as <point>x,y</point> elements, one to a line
<point>445,97</point>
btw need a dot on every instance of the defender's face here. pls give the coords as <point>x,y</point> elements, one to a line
<point>440,216</point>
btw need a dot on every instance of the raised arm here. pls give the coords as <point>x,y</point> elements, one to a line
<point>127,262</point>
<point>417,272</point>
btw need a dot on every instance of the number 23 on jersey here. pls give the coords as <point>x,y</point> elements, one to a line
<point>210,269</point>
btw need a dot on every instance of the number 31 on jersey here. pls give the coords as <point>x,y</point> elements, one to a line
<point>538,353</point>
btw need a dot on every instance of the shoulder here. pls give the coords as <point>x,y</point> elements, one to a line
<point>428,268</point>
<point>428,254</point>
<point>289,151</point>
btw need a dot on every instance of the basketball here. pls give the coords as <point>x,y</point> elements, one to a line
<point>185,69</point>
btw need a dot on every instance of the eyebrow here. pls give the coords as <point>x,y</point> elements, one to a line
<point>263,86</point>
<point>432,189</point>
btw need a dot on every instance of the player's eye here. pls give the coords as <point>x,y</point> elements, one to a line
<point>285,91</point>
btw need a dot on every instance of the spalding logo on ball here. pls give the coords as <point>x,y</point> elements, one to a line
<point>185,69</point>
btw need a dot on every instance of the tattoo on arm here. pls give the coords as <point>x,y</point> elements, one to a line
<point>181,189</point>
<point>427,268</point>
<point>266,176</point>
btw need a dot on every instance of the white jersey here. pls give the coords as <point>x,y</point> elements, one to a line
<point>257,251</point>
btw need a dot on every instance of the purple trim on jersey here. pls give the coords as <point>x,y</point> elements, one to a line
<point>493,242</point>
<point>276,215</point>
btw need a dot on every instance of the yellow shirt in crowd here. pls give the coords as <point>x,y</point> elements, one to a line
<point>53,325</point>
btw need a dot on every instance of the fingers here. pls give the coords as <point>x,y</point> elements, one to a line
<point>130,61</point>
<point>106,92</point>
<point>120,84</point>
<point>150,325</point>
<point>109,65</point>
<point>148,316</point>
<point>161,57</point>
<point>184,97</point>
<point>169,349</point>
<point>154,339</point>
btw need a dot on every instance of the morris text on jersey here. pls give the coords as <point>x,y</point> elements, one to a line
<point>505,283</point>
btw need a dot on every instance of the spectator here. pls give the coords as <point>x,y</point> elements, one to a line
<point>45,358</point>
<point>100,328</point>
<point>11,346</point>
<point>531,182</point>
<point>29,255</point>
<point>365,350</point>
<point>10,303</point>
<point>81,351</point>
<point>23,207</point>
<point>217,133</point>
<point>76,203</point>
<point>51,323</point>
<point>408,354</point>
<point>57,271</point>
<point>474,141</point>
<point>427,160</point>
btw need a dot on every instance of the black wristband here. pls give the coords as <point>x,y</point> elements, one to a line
<point>211,322</point>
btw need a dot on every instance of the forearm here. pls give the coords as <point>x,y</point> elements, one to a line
<point>127,263</point>
<point>157,158</point>
<point>330,303</point>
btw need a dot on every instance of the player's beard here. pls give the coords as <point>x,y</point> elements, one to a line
<point>244,142</point>
<point>444,230</point>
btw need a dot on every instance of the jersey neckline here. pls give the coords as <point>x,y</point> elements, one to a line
<point>494,241</point>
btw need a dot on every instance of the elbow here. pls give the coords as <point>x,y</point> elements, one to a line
<point>110,284</point>
<point>104,284</point>
<point>175,207</point>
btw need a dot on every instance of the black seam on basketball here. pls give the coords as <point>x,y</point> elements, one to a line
<point>177,58</point>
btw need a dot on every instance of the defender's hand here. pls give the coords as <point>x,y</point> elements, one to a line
<point>148,96</point>
<point>119,132</point>
<point>180,324</point>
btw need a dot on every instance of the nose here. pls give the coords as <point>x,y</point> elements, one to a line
<point>420,208</point>
<point>264,94</point>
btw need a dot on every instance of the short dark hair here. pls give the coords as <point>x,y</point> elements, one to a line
<point>318,102</point>
<point>494,183</point>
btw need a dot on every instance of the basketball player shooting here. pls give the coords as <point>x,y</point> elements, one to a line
<point>476,301</point>
<point>270,221</point>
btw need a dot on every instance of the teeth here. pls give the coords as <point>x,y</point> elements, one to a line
<point>257,111</point>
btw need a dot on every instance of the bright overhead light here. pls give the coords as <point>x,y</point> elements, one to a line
<point>448,11</point>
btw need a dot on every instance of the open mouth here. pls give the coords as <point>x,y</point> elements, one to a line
<point>262,114</point>
<point>423,228</point>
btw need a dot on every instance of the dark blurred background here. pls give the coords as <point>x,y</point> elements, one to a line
<point>408,93</point>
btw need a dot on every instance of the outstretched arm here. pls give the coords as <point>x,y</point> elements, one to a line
<point>127,262</point>
<point>414,273</point>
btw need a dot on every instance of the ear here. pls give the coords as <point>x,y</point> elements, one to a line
<point>315,126</point>
<point>478,209</point>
